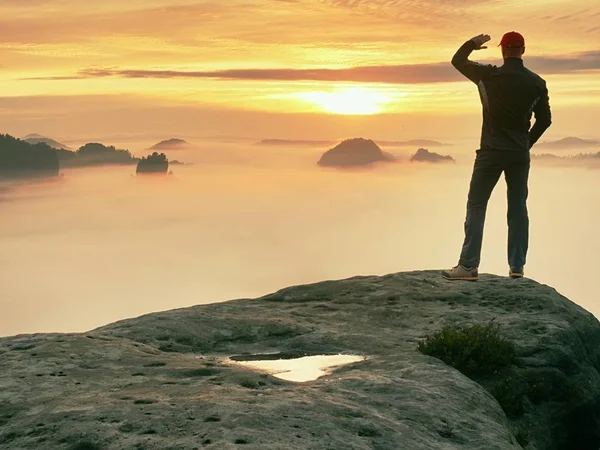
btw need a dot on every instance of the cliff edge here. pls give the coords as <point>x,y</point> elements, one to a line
<point>164,381</point>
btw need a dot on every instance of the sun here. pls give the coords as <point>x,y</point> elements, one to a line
<point>357,101</point>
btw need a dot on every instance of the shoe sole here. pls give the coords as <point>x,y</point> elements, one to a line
<point>460,279</point>
<point>515,275</point>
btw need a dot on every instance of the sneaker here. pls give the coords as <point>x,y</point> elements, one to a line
<point>516,272</point>
<point>461,273</point>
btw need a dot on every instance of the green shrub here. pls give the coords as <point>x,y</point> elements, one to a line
<point>474,350</point>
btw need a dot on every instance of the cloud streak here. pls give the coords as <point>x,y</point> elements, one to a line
<point>409,74</point>
<point>392,74</point>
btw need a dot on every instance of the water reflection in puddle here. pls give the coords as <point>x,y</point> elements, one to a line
<point>306,368</point>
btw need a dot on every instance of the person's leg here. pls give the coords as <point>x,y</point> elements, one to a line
<point>486,173</point>
<point>517,175</point>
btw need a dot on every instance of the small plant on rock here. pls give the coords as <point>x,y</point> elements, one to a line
<point>474,350</point>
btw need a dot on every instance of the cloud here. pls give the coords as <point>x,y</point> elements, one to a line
<point>578,62</point>
<point>409,74</point>
<point>77,23</point>
<point>431,9</point>
<point>441,72</point>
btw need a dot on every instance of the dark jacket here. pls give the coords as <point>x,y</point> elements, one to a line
<point>509,94</point>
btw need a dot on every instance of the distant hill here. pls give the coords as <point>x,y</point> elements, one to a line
<point>424,155</point>
<point>586,156</point>
<point>37,139</point>
<point>581,157</point>
<point>354,153</point>
<point>547,156</point>
<point>171,144</point>
<point>20,159</point>
<point>569,143</point>
<point>299,142</point>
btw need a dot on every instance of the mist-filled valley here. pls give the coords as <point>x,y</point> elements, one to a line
<point>99,244</point>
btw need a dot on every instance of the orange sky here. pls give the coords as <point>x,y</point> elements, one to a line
<point>280,68</point>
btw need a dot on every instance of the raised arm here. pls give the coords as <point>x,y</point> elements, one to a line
<point>543,116</point>
<point>470,69</point>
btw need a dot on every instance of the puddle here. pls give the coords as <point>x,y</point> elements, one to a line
<point>305,368</point>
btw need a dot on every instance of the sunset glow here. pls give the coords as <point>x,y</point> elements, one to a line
<point>217,63</point>
<point>348,101</point>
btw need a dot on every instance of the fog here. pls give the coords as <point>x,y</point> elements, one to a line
<point>100,245</point>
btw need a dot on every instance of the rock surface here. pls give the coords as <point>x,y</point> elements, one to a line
<point>354,153</point>
<point>160,381</point>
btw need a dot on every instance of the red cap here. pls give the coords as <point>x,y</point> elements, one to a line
<point>512,39</point>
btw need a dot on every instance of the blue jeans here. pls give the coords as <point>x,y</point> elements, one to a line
<point>489,165</point>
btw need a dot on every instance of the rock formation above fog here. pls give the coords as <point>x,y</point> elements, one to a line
<point>20,159</point>
<point>161,381</point>
<point>154,163</point>
<point>569,143</point>
<point>424,155</point>
<point>354,153</point>
<point>170,144</point>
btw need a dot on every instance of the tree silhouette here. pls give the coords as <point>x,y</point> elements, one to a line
<point>97,154</point>
<point>154,163</point>
<point>19,159</point>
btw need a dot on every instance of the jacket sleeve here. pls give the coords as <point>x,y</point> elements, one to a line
<point>543,116</point>
<point>470,69</point>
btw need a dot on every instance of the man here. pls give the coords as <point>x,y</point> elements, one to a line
<point>509,95</point>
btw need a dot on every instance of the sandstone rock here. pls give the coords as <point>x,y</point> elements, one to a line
<point>354,153</point>
<point>424,155</point>
<point>170,144</point>
<point>160,381</point>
